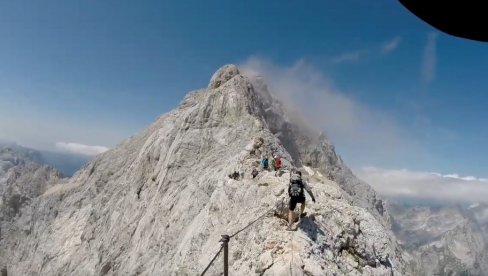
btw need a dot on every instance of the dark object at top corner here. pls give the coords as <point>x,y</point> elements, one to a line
<point>461,18</point>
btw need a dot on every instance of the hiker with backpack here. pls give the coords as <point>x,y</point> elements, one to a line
<point>296,192</point>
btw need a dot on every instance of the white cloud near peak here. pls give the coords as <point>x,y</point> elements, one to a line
<point>80,148</point>
<point>361,130</point>
<point>402,183</point>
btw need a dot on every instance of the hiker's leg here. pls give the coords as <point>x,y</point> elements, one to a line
<point>302,207</point>
<point>291,206</point>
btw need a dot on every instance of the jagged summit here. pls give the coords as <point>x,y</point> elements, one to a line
<point>157,203</point>
<point>222,75</point>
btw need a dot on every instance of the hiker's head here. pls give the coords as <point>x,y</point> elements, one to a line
<point>295,175</point>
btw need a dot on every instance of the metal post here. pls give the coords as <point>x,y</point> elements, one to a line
<point>225,239</point>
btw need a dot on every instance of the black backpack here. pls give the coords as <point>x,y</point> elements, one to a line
<point>295,189</point>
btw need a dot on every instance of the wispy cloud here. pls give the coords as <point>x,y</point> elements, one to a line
<point>391,45</point>
<point>429,58</point>
<point>349,56</point>
<point>362,132</point>
<point>355,56</point>
<point>80,148</point>
<point>426,185</point>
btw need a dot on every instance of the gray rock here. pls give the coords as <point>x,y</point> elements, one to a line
<point>224,74</point>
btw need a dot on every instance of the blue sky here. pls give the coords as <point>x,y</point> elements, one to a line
<point>96,72</point>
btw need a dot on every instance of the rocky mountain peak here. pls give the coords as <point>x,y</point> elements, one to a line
<point>158,203</point>
<point>224,74</point>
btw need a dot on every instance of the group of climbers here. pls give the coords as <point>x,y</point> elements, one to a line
<point>275,163</point>
<point>296,187</point>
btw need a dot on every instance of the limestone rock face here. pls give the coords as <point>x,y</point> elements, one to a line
<point>158,203</point>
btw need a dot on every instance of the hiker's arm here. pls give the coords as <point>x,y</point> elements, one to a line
<point>309,190</point>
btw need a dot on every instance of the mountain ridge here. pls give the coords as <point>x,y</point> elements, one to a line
<point>66,163</point>
<point>159,201</point>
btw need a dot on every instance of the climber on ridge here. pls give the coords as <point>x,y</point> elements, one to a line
<point>277,163</point>
<point>295,191</point>
<point>277,166</point>
<point>264,163</point>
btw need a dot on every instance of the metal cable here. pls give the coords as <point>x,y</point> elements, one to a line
<point>233,235</point>
<point>251,223</point>
<point>213,260</point>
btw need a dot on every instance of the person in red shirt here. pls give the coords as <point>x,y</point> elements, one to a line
<point>277,163</point>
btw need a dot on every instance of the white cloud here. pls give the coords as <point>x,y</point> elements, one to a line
<point>425,185</point>
<point>365,134</point>
<point>354,56</point>
<point>391,45</point>
<point>80,148</point>
<point>349,57</point>
<point>429,58</point>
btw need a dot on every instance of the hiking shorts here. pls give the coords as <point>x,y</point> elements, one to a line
<point>293,202</point>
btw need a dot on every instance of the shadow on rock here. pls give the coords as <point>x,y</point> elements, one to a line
<point>308,225</point>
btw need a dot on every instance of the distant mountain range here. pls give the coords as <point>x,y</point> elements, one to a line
<point>444,239</point>
<point>66,163</point>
